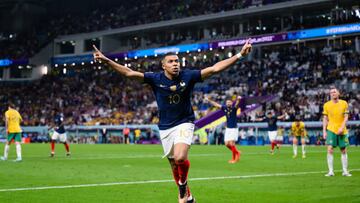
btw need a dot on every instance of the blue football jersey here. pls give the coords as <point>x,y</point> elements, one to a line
<point>272,123</point>
<point>173,97</point>
<point>59,128</point>
<point>230,114</point>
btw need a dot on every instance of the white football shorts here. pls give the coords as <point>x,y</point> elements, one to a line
<point>231,134</point>
<point>57,136</point>
<point>182,133</point>
<point>272,135</point>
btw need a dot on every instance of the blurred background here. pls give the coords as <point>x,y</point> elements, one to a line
<point>300,48</point>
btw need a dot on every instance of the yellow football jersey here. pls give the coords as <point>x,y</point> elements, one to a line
<point>137,133</point>
<point>13,120</point>
<point>336,115</point>
<point>298,130</point>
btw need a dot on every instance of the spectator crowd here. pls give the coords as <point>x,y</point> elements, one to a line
<point>26,44</point>
<point>298,75</point>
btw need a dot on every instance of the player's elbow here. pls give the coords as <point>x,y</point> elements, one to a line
<point>129,73</point>
<point>215,69</point>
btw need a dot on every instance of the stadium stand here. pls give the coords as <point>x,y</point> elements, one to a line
<point>90,95</point>
<point>26,44</point>
<point>295,72</point>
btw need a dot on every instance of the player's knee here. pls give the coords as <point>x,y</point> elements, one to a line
<point>330,150</point>
<point>343,150</point>
<point>171,160</point>
<point>179,158</point>
<point>179,161</point>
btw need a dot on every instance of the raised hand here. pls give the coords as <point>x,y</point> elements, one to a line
<point>245,50</point>
<point>206,99</point>
<point>98,56</point>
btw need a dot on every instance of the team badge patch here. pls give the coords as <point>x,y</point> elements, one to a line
<point>173,88</point>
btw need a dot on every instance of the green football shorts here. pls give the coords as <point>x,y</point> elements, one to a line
<point>337,140</point>
<point>15,136</point>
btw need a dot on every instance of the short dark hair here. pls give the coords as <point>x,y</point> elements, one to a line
<point>11,104</point>
<point>168,54</point>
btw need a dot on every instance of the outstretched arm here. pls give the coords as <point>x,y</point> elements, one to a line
<point>123,70</point>
<point>259,119</point>
<point>212,102</point>
<point>51,126</point>
<point>282,117</point>
<point>224,64</point>
<point>237,103</point>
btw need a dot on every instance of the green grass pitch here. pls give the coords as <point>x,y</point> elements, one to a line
<point>121,173</point>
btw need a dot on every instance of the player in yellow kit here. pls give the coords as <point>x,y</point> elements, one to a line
<point>299,133</point>
<point>13,131</point>
<point>334,130</point>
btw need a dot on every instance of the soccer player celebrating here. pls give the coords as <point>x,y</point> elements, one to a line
<point>334,130</point>
<point>271,120</point>
<point>231,131</point>
<point>173,89</point>
<point>59,134</point>
<point>299,133</point>
<point>13,131</point>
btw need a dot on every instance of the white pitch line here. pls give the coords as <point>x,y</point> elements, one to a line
<point>165,181</point>
<point>118,157</point>
<point>157,155</point>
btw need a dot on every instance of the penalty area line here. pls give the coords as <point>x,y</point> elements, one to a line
<point>165,181</point>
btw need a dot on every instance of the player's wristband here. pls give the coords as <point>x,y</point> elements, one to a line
<point>239,56</point>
